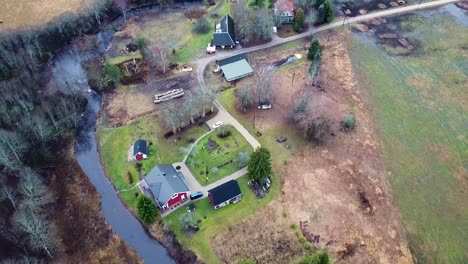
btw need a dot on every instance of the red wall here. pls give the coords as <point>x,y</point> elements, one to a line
<point>176,199</point>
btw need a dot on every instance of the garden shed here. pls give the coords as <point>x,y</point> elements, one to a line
<point>224,194</point>
<point>235,67</point>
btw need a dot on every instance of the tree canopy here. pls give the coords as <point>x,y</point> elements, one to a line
<point>146,209</point>
<point>259,165</point>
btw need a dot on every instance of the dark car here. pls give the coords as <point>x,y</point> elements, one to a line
<point>196,195</point>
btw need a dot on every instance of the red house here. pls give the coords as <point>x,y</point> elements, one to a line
<point>166,186</point>
<point>224,194</point>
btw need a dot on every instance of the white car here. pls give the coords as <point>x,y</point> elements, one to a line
<point>264,106</point>
<point>217,124</point>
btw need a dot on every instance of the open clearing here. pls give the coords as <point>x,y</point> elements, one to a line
<point>419,102</point>
<point>18,13</point>
<point>340,188</point>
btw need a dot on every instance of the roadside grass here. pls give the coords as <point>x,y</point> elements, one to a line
<point>419,104</point>
<point>115,143</point>
<point>201,159</point>
<point>218,220</point>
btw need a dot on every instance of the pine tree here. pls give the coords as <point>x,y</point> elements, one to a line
<point>146,209</point>
<point>259,165</point>
<point>315,50</point>
<point>299,20</point>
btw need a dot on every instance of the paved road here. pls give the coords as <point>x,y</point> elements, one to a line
<point>201,64</point>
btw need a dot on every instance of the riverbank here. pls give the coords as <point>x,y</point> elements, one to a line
<point>85,235</point>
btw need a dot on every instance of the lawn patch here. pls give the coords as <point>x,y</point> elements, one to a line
<point>219,150</point>
<point>115,143</point>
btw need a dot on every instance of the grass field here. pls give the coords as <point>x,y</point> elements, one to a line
<point>420,105</point>
<point>173,30</point>
<point>115,142</point>
<point>218,220</point>
<point>19,13</point>
<point>227,151</point>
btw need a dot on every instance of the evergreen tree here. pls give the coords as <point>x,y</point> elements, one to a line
<point>146,209</point>
<point>326,14</point>
<point>299,20</point>
<point>315,50</point>
<point>259,165</point>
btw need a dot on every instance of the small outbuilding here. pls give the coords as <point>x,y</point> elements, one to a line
<point>224,194</point>
<point>235,67</point>
<point>140,149</point>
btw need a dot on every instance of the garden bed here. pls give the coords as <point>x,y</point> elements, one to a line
<point>215,157</point>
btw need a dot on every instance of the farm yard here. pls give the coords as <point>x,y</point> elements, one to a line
<point>218,155</point>
<point>418,100</point>
<point>115,142</point>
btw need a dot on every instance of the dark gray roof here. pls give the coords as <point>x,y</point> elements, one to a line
<point>227,36</point>
<point>140,146</point>
<point>164,181</point>
<point>225,192</point>
<point>232,59</point>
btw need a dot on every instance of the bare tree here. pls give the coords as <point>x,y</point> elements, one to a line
<point>158,57</point>
<point>190,106</point>
<point>8,193</point>
<point>12,149</point>
<point>263,25</point>
<point>95,8</point>
<point>243,159</point>
<point>244,97</point>
<point>202,99</point>
<point>211,94</point>
<point>122,5</point>
<point>265,91</point>
<point>38,231</point>
<point>170,116</point>
<point>243,19</point>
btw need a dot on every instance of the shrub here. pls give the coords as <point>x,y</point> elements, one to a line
<point>113,72</point>
<point>307,246</point>
<point>201,26</point>
<point>223,134</point>
<point>297,233</point>
<point>141,43</point>
<point>130,177</point>
<point>349,122</point>
<point>285,214</point>
<point>247,261</point>
<point>302,240</point>
<point>146,208</point>
<point>318,258</point>
<point>293,226</point>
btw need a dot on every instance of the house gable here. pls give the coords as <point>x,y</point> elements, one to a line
<point>164,183</point>
<point>225,194</point>
<point>224,35</point>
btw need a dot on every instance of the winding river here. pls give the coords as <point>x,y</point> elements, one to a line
<point>69,75</point>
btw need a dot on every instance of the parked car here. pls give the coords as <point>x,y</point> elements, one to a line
<point>217,124</point>
<point>196,195</point>
<point>210,49</point>
<point>264,106</point>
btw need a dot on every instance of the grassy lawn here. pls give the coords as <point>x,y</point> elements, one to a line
<point>173,30</point>
<point>218,220</point>
<point>419,103</point>
<point>212,151</point>
<point>119,59</point>
<point>115,143</point>
<point>278,152</point>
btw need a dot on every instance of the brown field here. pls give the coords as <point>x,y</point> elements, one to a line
<point>339,188</point>
<point>19,13</point>
<point>84,235</point>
